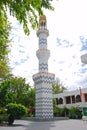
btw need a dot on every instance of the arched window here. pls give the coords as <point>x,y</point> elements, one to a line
<point>60,101</point>
<point>78,99</point>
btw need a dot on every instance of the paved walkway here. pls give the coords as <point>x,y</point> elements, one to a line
<point>48,125</point>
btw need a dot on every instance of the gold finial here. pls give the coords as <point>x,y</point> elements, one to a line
<point>42,22</point>
<point>42,17</point>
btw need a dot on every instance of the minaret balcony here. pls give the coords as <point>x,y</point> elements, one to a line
<point>43,54</point>
<point>84,58</point>
<point>42,32</point>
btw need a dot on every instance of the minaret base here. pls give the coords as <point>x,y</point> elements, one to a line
<point>44,98</point>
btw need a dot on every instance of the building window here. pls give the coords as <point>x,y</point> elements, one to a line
<point>78,99</point>
<point>60,101</point>
<point>85,96</point>
<point>73,99</point>
<point>68,100</point>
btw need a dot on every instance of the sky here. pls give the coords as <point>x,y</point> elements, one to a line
<point>67,41</point>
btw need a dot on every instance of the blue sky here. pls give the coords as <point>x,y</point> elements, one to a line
<point>67,41</point>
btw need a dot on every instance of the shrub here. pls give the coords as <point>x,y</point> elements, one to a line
<point>10,119</point>
<point>15,111</point>
<point>31,112</point>
<point>2,110</point>
<point>64,111</point>
<point>3,117</point>
<point>57,111</point>
<point>73,112</point>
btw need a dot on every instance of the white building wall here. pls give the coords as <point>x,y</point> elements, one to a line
<point>63,95</point>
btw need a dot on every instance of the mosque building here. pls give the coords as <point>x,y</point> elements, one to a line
<point>75,98</point>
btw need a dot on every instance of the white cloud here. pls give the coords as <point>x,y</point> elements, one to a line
<point>68,22</point>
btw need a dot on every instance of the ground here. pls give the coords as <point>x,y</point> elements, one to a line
<point>47,125</point>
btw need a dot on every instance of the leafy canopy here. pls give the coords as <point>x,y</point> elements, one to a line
<point>16,90</point>
<point>5,29</point>
<point>26,11</point>
<point>58,87</point>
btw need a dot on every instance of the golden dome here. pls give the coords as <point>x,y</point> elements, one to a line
<point>42,17</point>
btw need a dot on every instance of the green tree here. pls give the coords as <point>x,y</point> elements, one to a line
<point>26,11</point>
<point>64,111</point>
<point>16,90</point>
<point>73,112</point>
<point>3,92</point>
<point>58,87</point>
<point>57,111</point>
<point>31,96</point>
<point>31,99</point>
<point>5,29</point>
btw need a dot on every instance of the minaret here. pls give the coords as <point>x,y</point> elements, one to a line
<point>43,79</point>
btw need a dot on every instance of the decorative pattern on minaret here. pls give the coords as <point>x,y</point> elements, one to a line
<point>43,80</point>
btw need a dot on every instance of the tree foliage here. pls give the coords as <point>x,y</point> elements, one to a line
<point>26,11</point>
<point>3,92</point>
<point>31,96</point>
<point>16,90</point>
<point>57,87</point>
<point>5,29</point>
<point>17,110</point>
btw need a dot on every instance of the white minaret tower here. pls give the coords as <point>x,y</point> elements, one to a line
<point>43,80</point>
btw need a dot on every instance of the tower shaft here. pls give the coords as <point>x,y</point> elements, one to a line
<point>43,79</point>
